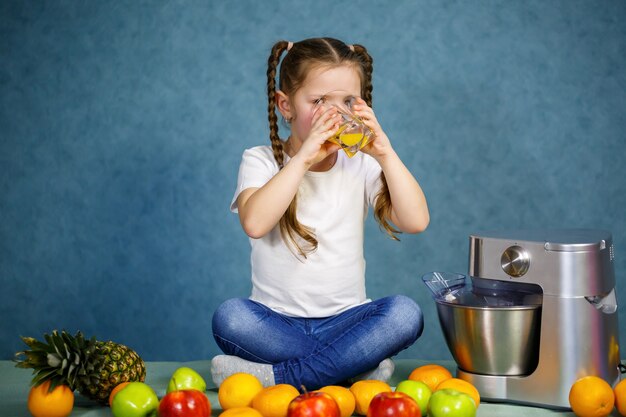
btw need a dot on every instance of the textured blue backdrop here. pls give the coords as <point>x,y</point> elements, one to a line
<point>122,126</point>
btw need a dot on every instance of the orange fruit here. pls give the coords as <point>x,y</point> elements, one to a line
<point>462,386</point>
<point>241,412</point>
<point>364,391</point>
<point>273,401</point>
<point>591,396</point>
<point>431,375</point>
<point>238,390</point>
<point>115,390</point>
<point>620,397</point>
<point>343,397</point>
<point>58,403</point>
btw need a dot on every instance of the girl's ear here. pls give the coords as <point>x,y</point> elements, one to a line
<point>283,104</point>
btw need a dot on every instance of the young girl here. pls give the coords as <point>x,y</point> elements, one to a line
<point>303,204</point>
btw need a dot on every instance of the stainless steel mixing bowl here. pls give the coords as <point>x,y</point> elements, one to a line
<point>492,340</point>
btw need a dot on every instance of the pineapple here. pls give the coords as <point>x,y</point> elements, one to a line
<point>92,367</point>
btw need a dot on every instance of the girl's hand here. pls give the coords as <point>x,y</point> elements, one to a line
<point>379,145</point>
<point>315,146</point>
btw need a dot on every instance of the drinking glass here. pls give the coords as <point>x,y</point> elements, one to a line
<point>352,134</point>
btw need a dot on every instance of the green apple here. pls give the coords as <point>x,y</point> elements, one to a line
<point>136,399</point>
<point>451,403</point>
<point>416,390</point>
<point>186,378</point>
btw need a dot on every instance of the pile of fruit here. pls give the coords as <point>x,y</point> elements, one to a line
<point>185,397</point>
<point>429,389</point>
<point>113,374</point>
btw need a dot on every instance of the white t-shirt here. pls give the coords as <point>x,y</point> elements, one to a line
<point>334,204</point>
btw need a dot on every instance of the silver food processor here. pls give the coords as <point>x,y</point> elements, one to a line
<point>536,312</point>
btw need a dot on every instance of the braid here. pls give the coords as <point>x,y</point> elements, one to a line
<point>368,69</point>
<point>290,227</point>
<point>382,207</point>
<point>272,64</point>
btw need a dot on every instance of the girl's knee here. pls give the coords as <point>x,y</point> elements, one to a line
<point>408,317</point>
<point>227,316</point>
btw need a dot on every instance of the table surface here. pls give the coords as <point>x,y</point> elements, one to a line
<point>14,386</point>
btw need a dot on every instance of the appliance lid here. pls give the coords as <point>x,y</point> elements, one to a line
<point>559,240</point>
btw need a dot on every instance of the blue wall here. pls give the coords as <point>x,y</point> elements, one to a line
<point>122,126</point>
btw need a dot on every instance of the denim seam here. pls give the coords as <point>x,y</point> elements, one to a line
<point>282,366</point>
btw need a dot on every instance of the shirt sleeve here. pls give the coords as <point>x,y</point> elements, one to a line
<point>256,169</point>
<point>372,179</point>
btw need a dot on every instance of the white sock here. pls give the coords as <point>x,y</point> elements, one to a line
<point>223,366</point>
<point>382,372</point>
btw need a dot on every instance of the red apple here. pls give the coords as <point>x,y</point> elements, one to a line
<point>185,403</point>
<point>397,404</point>
<point>313,404</point>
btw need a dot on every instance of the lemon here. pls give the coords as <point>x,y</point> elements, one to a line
<point>365,390</point>
<point>238,390</point>
<point>343,397</point>
<point>274,401</point>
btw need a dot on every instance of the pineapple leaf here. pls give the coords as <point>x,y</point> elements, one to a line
<point>53,384</point>
<point>70,377</point>
<point>42,376</point>
<point>34,344</point>
<point>32,360</point>
<point>57,342</point>
<point>53,360</point>
<point>48,339</point>
<point>53,347</point>
<point>70,341</point>
<point>66,337</point>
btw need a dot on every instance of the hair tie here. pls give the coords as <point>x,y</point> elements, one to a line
<point>289,45</point>
<point>351,47</point>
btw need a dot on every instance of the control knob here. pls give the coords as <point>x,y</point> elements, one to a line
<point>515,261</point>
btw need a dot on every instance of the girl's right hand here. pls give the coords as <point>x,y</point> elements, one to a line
<point>315,147</point>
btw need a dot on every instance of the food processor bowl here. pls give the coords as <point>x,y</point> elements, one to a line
<point>492,340</point>
<point>491,327</point>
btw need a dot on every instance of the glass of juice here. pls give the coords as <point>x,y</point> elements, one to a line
<point>352,134</point>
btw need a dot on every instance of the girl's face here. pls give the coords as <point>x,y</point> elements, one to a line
<point>323,85</point>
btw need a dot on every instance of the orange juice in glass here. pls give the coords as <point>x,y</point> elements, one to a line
<point>352,134</point>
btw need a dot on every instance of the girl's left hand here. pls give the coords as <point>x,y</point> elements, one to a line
<point>379,144</point>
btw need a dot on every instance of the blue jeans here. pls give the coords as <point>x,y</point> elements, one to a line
<point>314,352</point>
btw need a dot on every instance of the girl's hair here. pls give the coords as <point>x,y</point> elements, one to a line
<point>300,59</point>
